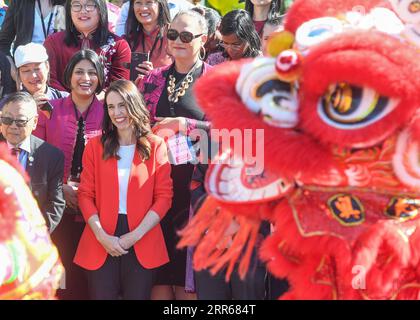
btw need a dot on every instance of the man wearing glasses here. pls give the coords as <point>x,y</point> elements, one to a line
<point>43,162</point>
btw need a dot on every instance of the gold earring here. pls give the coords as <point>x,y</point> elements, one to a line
<point>202,53</point>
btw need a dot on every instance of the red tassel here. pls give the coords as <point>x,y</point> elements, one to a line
<point>8,205</point>
<point>215,249</point>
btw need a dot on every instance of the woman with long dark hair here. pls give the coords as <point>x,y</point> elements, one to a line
<point>146,27</point>
<point>74,120</point>
<point>239,38</point>
<point>123,244</point>
<point>87,28</point>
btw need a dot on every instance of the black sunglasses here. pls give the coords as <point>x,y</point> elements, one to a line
<point>19,122</point>
<point>185,36</point>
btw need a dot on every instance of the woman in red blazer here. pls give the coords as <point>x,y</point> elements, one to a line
<point>124,192</point>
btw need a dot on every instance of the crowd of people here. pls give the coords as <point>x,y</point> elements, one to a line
<point>93,141</point>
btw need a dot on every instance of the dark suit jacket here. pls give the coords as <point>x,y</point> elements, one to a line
<point>7,84</point>
<point>45,167</point>
<point>19,17</point>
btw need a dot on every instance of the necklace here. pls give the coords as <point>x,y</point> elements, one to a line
<point>174,94</point>
<point>174,91</point>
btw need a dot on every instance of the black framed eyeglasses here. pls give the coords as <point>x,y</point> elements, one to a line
<point>185,36</point>
<point>77,7</point>
<point>19,122</point>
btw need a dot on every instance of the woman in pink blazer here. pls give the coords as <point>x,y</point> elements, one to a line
<point>125,191</point>
<point>72,122</point>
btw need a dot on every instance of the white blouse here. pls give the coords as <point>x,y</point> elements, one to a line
<point>126,154</point>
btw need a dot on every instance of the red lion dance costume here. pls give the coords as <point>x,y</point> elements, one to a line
<point>341,182</point>
<point>29,264</point>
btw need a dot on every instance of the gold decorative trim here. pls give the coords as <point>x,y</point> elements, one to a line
<point>361,190</point>
<point>394,296</point>
<point>331,284</point>
<point>302,232</point>
<point>37,277</point>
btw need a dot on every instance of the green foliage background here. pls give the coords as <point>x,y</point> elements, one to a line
<point>224,6</point>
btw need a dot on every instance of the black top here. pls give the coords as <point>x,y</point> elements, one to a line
<point>7,85</point>
<point>173,273</point>
<point>79,147</point>
<point>186,106</point>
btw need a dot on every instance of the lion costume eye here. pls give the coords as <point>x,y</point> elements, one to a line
<point>265,95</point>
<point>317,30</point>
<point>345,106</point>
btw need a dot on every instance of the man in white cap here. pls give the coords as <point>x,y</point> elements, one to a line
<point>33,71</point>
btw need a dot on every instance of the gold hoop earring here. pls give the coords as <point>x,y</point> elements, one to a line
<point>202,53</point>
